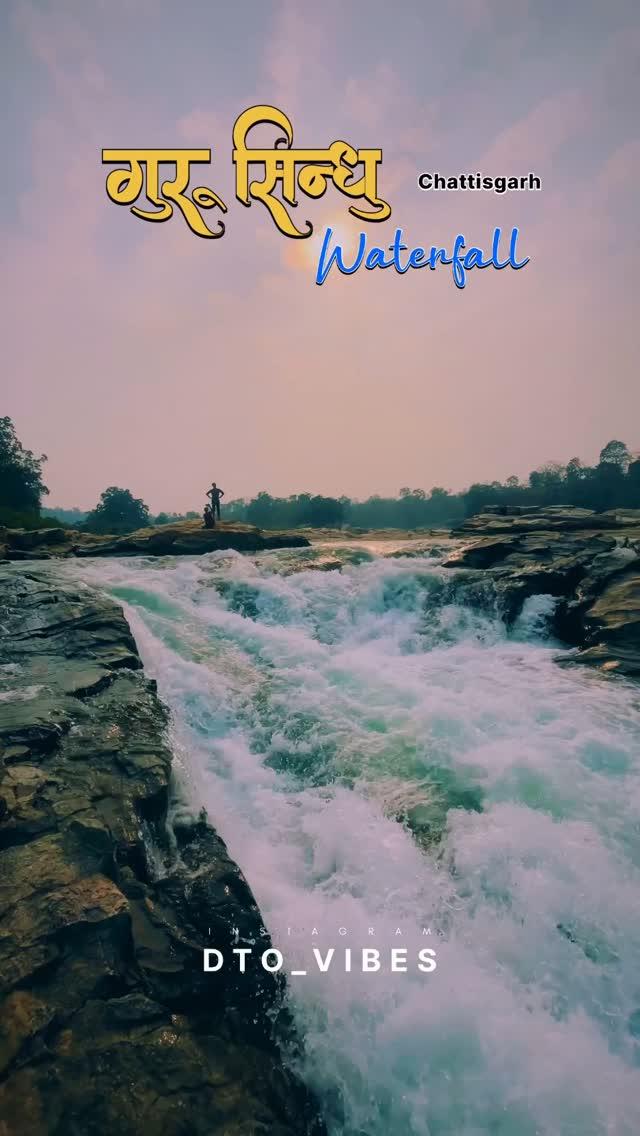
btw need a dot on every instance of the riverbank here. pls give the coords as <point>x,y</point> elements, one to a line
<point>109,891</point>
<point>589,561</point>
<point>186,538</point>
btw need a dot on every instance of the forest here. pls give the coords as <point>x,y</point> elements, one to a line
<point>613,482</point>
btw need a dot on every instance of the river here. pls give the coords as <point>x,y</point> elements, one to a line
<point>391,768</point>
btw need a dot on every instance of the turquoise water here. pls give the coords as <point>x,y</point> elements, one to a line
<point>379,753</point>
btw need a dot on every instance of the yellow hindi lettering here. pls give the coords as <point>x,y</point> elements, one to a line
<point>337,163</point>
<point>279,166</point>
<point>124,186</point>
<point>284,170</point>
<point>365,187</point>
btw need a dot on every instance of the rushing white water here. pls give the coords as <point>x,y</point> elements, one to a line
<point>379,752</point>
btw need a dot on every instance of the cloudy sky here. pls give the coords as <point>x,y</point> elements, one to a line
<point>140,355</point>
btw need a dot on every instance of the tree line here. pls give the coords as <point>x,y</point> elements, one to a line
<point>614,482</point>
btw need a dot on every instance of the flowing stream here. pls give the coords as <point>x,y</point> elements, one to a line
<point>391,768</point>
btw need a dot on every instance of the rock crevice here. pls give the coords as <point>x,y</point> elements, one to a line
<point>589,561</point>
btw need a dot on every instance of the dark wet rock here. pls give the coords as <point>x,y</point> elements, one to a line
<point>35,722</point>
<point>35,538</point>
<point>108,1022</point>
<point>612,623</point>
<point>191,543</point>
<point>594,573</point>
<point>186,538</point>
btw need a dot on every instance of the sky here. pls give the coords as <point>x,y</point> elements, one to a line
<point>142,356</point>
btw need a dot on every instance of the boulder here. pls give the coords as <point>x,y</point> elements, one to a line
<point>594,573</point>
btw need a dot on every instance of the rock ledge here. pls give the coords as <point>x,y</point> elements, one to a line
<point>185,538</point>
<point>590,561</point>
<point>108,1023</point>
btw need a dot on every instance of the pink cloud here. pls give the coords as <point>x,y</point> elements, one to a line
<point>142,355</point>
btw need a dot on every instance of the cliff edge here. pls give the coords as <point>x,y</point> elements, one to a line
<point>108,1023</point>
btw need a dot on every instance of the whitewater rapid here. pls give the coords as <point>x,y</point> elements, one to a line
<point>378,752</point>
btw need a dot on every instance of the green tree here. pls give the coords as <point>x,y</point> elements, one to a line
<point>299,509</point>
<point>411,507</point>
<point>21,484</point>
<point>609,485</point>
<point>260,510</point>
<point>575,470</point>
<point>326,512</point>
<point>477,496</point>
<point>615,453</point>
<point>547,483</point>
<point>439,506</point>
<point>633,473</point>
<point>118,511</point>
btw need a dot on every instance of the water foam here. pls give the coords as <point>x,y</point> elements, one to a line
<point>376,752</point>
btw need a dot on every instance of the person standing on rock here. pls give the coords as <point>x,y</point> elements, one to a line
<point>214,494</point>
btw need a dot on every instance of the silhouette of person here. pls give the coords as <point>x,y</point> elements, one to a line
<point>208,517</point>
<point>214,494</point>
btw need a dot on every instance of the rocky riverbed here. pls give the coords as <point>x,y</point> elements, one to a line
<point>185,538</point>
<point>589,561</point>
<point>108,1023</point>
